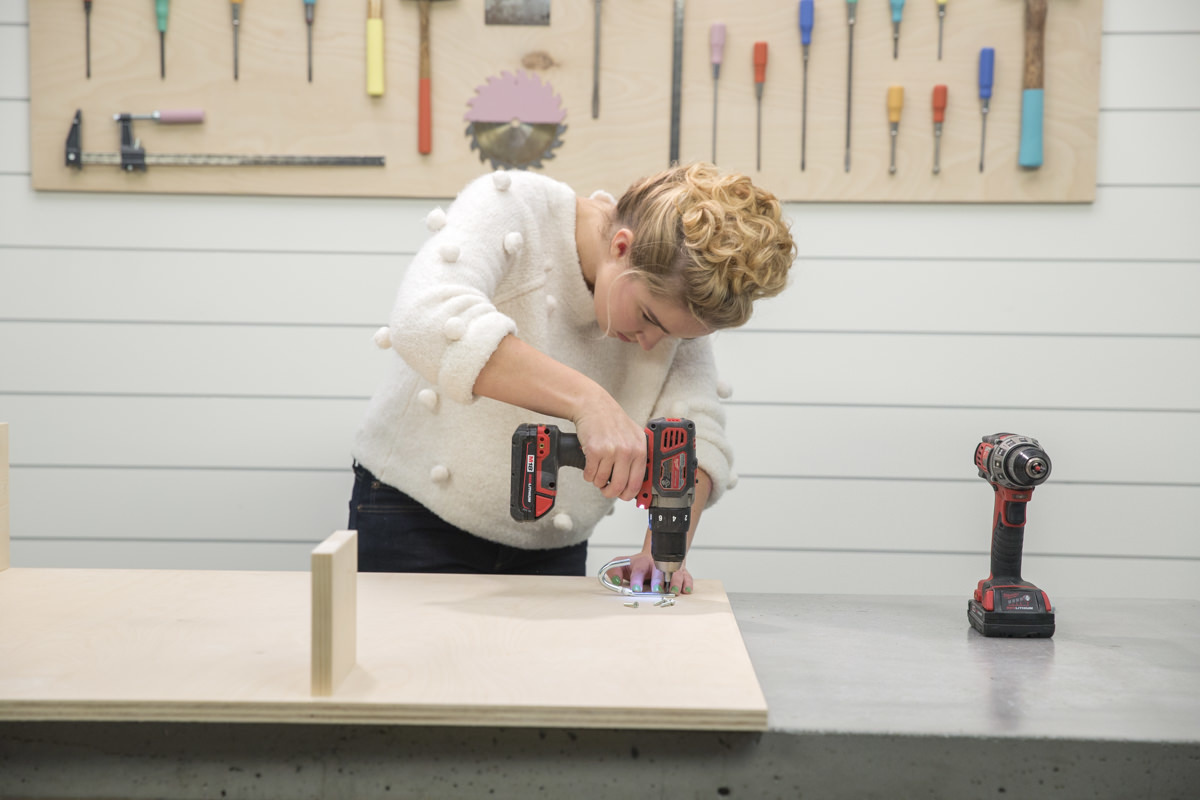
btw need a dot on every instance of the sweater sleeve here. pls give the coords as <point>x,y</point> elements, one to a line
<point>690,391</point>
<point>444,323</point>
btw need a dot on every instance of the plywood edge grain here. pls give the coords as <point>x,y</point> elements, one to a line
<point>334,611</point>
<point>340,713</point>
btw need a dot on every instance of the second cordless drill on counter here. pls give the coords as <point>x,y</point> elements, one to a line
<point>668,488</point>
<point>1004,604</point>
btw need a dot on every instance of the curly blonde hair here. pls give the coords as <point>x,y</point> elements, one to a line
<point>715,240</point>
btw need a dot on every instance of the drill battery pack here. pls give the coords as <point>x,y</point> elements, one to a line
<point>1018,610</point>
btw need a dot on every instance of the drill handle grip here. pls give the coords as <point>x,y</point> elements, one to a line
<point>570,452</point>
<point>1008,532</point>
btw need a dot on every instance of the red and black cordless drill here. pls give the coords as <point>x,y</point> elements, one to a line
<point>667,489</point>
<point>1004,604</point>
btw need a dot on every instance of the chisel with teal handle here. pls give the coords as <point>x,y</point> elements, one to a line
<point>1033,101</point>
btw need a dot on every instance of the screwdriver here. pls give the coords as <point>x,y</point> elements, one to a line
<point>760,77</point>
<point>236,6</point>
<point>941,24</point>
<point>596,61</point>
<point>87,40</point>
<point>851,11</point>
<point>310,7</point>
<point>895,102</point>
<point>716,43</point>
<point>806,26</point>
<point>897,13</point>
<point>987,66</point>
<point>161,7</point>
<point>939,116</point>
<point>375,47</point>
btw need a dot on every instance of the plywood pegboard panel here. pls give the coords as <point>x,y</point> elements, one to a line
<point>200,645</point>
<point>272,109</point>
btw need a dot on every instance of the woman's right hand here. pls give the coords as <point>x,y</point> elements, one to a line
<point>615,448</point>
<point>613,444</point>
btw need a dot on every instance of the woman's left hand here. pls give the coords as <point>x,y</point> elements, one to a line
<point>641,576</point>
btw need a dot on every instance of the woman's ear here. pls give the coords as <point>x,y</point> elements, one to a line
<point>621,243</point>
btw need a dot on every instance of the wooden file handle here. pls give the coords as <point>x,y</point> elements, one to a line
<point>425,88</point>
<point>1035,44</point>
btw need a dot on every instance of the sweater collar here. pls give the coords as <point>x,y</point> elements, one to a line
<point>573,293</point>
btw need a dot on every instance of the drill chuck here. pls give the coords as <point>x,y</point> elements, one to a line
<point>1012,461</point>
<point>668,534</point>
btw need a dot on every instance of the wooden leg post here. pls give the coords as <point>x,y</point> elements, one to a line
<point>334,611</point>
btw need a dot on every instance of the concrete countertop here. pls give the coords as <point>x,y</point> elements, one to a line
<point>1123,670</point>
<point>869,697</point>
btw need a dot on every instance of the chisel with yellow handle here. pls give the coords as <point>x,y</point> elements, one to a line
<point>375,48</point>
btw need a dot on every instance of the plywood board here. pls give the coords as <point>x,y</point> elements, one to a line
<point>432,649</point>
<point>273,109</point>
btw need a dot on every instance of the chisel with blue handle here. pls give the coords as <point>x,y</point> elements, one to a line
<point>806,28</point>
<point>897,16</point>
<point>987,68</point>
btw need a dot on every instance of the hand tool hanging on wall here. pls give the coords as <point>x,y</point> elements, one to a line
<point>806,29</point>
<point>161,10</point>
<point>424,84</point>
<point>375,48</point>
<point>897,15</point>
<point>676,81</point>
<point>310,8</point>
<point>1033,85</point>
<point>895,103</point>
<point>1004,604</point>
<point>596,62</point>
<point>940,93</point>
<point>236,7</point>
<point>175,116</point>
<point>851,11</point>
<point>760,78</point>
<point>132,157</point>
<point>987,68</point>
<point>941,24</point>
<point>716,47</point>
<point>87,35</point>
<point>515,121</point>
<point>516,12</point>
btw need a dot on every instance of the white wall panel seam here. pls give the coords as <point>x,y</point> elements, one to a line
<point>358,399</point>
<point>695,548</point>
<point>742,477</point>
<point>746,331</point>
<point>825,258</point>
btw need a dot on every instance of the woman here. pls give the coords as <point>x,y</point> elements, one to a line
<point>529,303</point>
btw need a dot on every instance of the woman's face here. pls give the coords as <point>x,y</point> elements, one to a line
<point>626,310</point>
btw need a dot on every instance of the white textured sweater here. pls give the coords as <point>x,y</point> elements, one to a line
<point>502,260</point>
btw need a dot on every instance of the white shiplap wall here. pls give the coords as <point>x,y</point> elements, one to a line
<point>183,375</point>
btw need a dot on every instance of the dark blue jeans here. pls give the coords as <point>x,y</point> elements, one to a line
<point>398,534</point>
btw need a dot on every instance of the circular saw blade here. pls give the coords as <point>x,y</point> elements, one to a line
<point>515,121</point>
